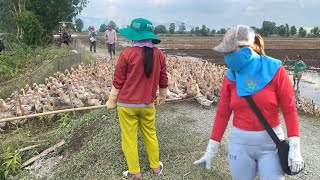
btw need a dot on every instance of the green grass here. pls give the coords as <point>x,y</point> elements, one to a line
<point>101,156</point>
<point>27,59</point>
<point>93,147</point>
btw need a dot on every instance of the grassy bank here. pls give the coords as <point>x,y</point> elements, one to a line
<point>27,59</point>
<point>93,147</point>
<point>101,156</point>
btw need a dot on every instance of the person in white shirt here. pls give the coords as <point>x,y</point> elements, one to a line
<point>111,37</point>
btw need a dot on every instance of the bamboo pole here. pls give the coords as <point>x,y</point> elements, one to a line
<point>52,112</point>
<point>65,110</point>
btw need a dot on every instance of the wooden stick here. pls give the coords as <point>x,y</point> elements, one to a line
<point>29,147</point>
<point>52,112</point>
<point>43,153</point>
<point>63,111</point>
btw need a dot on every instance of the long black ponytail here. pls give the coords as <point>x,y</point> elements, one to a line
<point>148,60</point>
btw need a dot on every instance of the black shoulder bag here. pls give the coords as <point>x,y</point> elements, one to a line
<point>282,146</point>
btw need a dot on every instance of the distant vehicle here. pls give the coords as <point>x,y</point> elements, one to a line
<point>64,36</point>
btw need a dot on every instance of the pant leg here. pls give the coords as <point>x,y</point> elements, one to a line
<point>114,49</point>
<point>90,46</point>
<point>242,165</point>
<point>299,75</point>
<point>94,46</point>
<point>269,167</point>
<point>109,48</point>
<point>129,136</point>
<point>147,120</point>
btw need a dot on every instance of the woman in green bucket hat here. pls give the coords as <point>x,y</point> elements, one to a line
<point>140,29</point>
<point>140,69</point>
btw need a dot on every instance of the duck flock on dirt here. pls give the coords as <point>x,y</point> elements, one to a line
<point>90,85</point>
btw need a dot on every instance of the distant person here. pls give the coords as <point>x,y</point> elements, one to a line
<point>65,37</point>
<point>111,37</point>
<point>299,67</point>
<point>251,151</point>
<point>93,38</point>
<point>140,70</point>
<point>2,47</point>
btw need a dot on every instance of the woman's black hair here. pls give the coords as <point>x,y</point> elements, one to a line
<point>148,60</point>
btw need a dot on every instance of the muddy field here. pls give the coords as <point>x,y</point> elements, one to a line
<point>200,47</point>
<point>310,56</point>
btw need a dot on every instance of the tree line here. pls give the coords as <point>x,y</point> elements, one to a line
<point>34,22</point>
<point>268,28</point>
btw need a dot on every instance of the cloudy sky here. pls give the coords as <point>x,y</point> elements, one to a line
<point>213,13</point>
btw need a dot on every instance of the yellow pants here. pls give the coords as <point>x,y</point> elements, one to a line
<point>129,119</point>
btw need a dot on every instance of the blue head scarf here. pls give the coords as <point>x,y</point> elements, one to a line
<point>251,71</point>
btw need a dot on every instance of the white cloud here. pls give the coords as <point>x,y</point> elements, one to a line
<point>159,2</point>
<point>214,14</point>
<point>251,10</point>
<point>301,4</point>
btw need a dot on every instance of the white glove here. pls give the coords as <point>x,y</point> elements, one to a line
<point>294,158</point>
<point>212,150</point>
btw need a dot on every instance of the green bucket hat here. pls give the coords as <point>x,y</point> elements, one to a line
<point>140,29</point>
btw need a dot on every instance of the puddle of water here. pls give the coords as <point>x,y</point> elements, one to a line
<point>309,85</point>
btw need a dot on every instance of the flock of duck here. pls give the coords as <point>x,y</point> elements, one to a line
<point>90,85</point>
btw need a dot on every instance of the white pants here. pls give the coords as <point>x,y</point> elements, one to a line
<point>252,153</point>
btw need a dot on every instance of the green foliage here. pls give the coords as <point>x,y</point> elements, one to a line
<point>315,31</point>
<point>113,25</point>
<point>302,32</point>
<point>204,31</point>
<point>293,30</point>
<point>287,30</point>
<point>197,30</point>
<point>160,29</point>
<point>222,31</point>
<point>257,30</point>
<point>79,25</point>
<point>103,28</point>
<point>88,57</point>
<point>213,31</point>
<point>51,12</point>
<point>32,29</point>
<point>10,163</point>
<point>182,28</point>
<point>27,59</point>
<point>7,23</point>
<point>192,31</point>
<point>282,30</point>
<point>172,28</point>
<point>268,28</point>
<point>46,13</point>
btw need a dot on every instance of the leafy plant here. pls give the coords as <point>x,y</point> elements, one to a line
<point>64,120</point>
<point>10,163</point>
<point>32,29</point>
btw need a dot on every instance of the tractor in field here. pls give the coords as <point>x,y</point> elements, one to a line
<point>65,35</point>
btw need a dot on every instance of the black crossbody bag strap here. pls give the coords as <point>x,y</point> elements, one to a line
<point>264,122</point>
